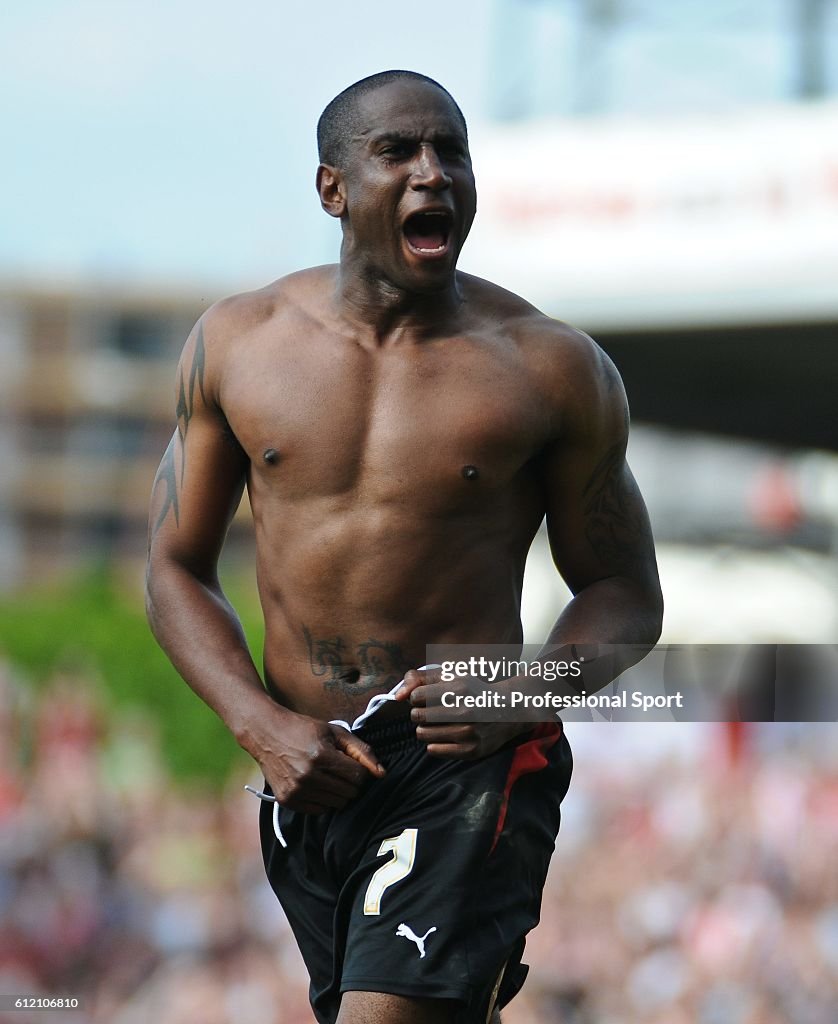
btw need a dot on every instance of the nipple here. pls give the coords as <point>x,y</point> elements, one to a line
<point>271,456</point>
<point>470,472</point>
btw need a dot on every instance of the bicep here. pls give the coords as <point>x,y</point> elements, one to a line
<point>597,520</point>
<point>201,477</point>
<point>596,517</point>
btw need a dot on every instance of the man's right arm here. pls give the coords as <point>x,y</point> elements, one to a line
<point>310,765</point>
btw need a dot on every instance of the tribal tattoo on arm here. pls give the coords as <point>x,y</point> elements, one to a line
<point>185,408</point>
<point>614,522</point>
<point>167,474</point>
<point>168,477</point>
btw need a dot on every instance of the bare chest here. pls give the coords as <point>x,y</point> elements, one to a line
<point>390,425</point>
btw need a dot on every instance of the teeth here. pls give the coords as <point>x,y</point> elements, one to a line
<point>438,248</point>
<point>430,213</point>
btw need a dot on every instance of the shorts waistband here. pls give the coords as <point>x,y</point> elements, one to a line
<point>393,737</point>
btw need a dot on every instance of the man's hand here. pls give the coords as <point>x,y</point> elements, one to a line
<point>312,766</point>
<point>464,740</point>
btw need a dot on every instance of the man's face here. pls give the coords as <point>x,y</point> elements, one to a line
<point>410,195</point>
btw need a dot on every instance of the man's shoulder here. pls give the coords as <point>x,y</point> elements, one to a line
<point>233,317</point>
<point>499,306</point>
<point>551,343</point>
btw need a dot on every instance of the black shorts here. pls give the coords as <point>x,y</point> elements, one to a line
<point>427,883</point>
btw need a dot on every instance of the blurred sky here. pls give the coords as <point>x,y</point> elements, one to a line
<point>176,139</point>
<point>173,140</point>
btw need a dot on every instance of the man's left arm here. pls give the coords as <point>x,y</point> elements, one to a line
<point>597,522</point>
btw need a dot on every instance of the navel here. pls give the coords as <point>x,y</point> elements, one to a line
<point>470,473</point>
<point>271,456</point>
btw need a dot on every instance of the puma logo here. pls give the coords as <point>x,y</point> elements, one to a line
<point>406,932</point>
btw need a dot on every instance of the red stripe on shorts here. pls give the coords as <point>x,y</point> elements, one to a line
<point>529,757</point>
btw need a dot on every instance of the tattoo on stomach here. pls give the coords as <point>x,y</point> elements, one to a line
<point>372,665</point>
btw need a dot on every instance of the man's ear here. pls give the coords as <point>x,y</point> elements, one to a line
<point>331,191</point>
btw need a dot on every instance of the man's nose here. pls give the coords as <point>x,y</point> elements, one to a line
<point>428,170</point>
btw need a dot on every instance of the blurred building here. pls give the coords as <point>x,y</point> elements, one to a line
<point>666,177</point>
<point>86,386</point>
<point>586,58</point>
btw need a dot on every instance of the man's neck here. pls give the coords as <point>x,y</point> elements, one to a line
<point>389,313</point>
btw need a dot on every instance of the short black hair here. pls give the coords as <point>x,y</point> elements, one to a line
<point>338,122</point>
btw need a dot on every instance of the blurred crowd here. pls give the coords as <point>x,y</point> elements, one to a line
<point>694,881</point>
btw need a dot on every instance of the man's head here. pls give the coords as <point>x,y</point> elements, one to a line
<point>395,168</point>
<point>340,118</point>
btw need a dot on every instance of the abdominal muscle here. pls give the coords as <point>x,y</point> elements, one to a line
<point>352,601</point>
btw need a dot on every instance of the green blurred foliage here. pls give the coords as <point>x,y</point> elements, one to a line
<point>98,628</point>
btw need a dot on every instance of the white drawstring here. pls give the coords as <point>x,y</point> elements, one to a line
<point>374,704</point>
<point>270,799</point>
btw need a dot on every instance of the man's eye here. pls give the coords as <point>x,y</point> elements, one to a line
<point>395,152</point>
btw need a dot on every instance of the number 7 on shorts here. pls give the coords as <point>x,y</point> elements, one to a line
<point>403,849</point>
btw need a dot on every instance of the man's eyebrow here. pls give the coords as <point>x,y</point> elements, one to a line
<point>393,136</point>
<point>402,136</point>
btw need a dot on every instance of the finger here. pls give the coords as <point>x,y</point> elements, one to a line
<point>445,733</point>
<point>426,703</point>
<point>418,697</point>
<point>453,751</point>
<point>429,695</point>
<point>415,678</point>
<point>411,680</point>
<point>358,751</point>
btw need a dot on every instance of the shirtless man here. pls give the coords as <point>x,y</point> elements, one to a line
<point>402,429</point>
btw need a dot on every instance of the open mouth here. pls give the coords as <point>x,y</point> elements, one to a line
<point>427,234</point>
